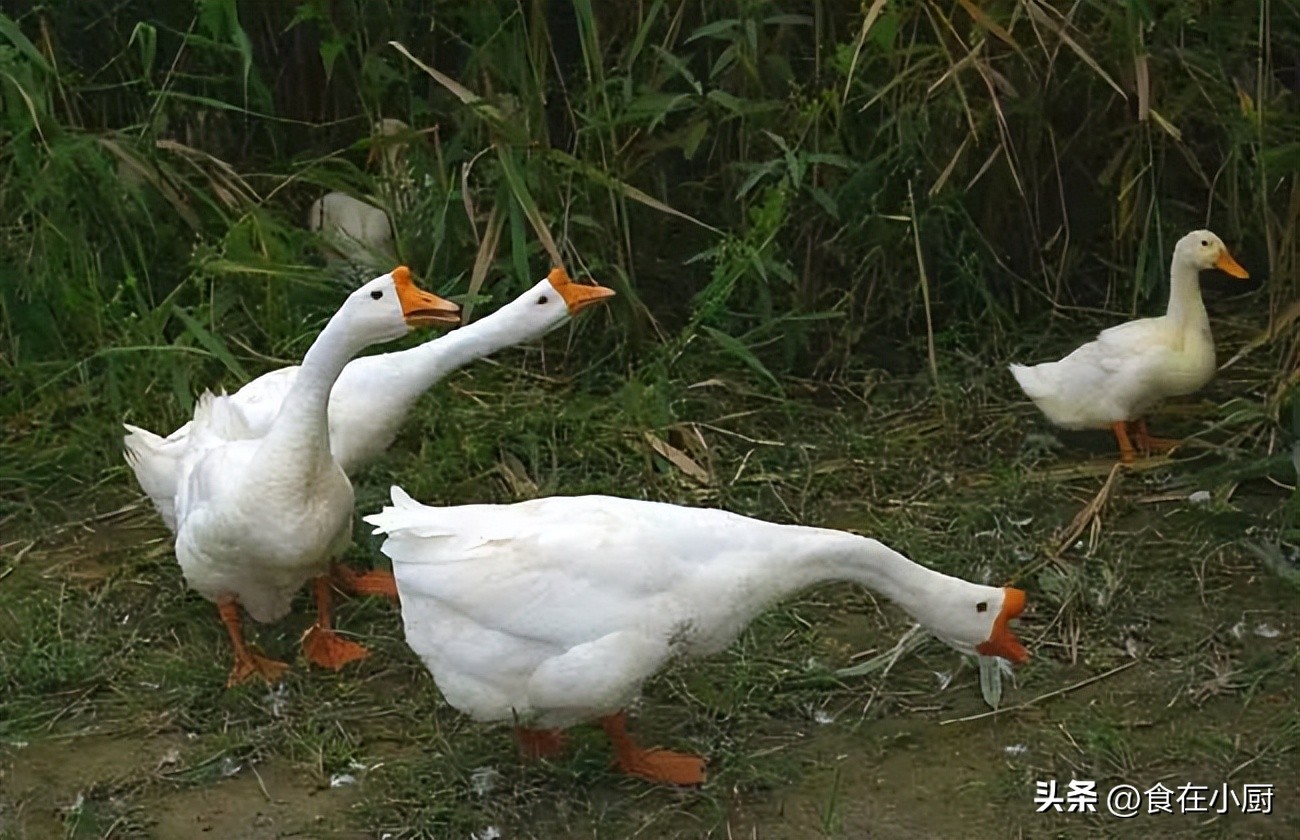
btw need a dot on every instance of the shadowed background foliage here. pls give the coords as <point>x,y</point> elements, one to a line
<point>790,189</point>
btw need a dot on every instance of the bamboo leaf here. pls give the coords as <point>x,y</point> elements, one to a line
<point>627,190</point>
<point>519,187</point>
<point>678,459</point>
<point>874,12</point>
<point>741,352</point>
<point>210,342</point>
<point>714,29</point>
<point>10,30</point>
<point>480,106</point>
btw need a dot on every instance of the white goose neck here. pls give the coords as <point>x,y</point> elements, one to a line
<point>1186,309</point>
<point>826,555</point>
<point>420,367</point>
<point>303,419</point>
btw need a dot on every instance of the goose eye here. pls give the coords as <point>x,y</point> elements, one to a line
<point>543,299</point>
<point>982,606</point>
<point>1205,243</point>
<point>376,294</point>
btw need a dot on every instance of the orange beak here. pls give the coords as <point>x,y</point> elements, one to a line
<point>420,308</point>
<point>577,297</point>
<point>1002,642</point>
<point>1228,265</point>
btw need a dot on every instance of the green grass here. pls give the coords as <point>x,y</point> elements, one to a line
<point>109,665</point>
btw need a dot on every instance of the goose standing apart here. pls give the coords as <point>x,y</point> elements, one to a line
<point>259,513</point>
<point>374,394</point>
<point>1114,380</point>
<point>356,230</point>
<point>554,611</point>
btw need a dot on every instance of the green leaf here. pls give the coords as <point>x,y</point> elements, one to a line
<point>656,106</point>
<point>518,243</point>
<point>734,104</point>
<point>148,37</point>
<point>627,190</point>
<point>715,29</point>
<point>638,43</point>
<point>789,20</point>
<point>519,187</point>
<point>695,135</point>
<point>330,50</point>
<point>679,66</point>
<point>10,30</point>
<point>210,342</point>
<point>741,352</point>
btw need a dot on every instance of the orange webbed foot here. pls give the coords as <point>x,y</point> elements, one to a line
<point>372,582</point>
<point>663,766</point>
<point>1148,443</point>
<point>250,665</point>
<point>535,744</point>
<point>327,649</point>
<point>247,663</point>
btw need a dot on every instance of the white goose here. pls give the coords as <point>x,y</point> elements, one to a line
<point>373,394</point>
<point>1113,381</point>
<point>554,611</point>
<point>259,512</point>
<point>356,230</point>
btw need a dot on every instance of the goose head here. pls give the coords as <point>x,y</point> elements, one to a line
<point>1203,249</point>
<point>389,306</point>
<point>389,137</point>
<point>978,620</point>
<point>552,302</point>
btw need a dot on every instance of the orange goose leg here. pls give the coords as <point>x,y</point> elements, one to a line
<point>1148,444</point>
<point>664,766</point>
<point>373,582</point>
<point>247,663</point>
<point>1126,452</point>
<point>322,645</point>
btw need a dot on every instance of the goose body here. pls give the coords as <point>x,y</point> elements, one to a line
<point>260,512</point>
<point>356,230</point>
<point>1115,379</point>
<point>285,507</point>
<point>373,394</point>
<point>554,611</point>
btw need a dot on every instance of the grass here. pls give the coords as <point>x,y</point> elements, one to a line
<point>111,667</point>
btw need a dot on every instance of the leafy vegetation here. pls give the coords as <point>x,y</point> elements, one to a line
<point>795,187</point>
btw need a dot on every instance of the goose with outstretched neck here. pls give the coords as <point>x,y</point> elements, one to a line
<point>374,394</point>
<point>552,612</point>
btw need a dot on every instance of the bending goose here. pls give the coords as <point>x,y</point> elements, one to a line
<point>260,512</point>
<point>374,394</point>
<point>554,611</point>
<point>1114,380</point>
